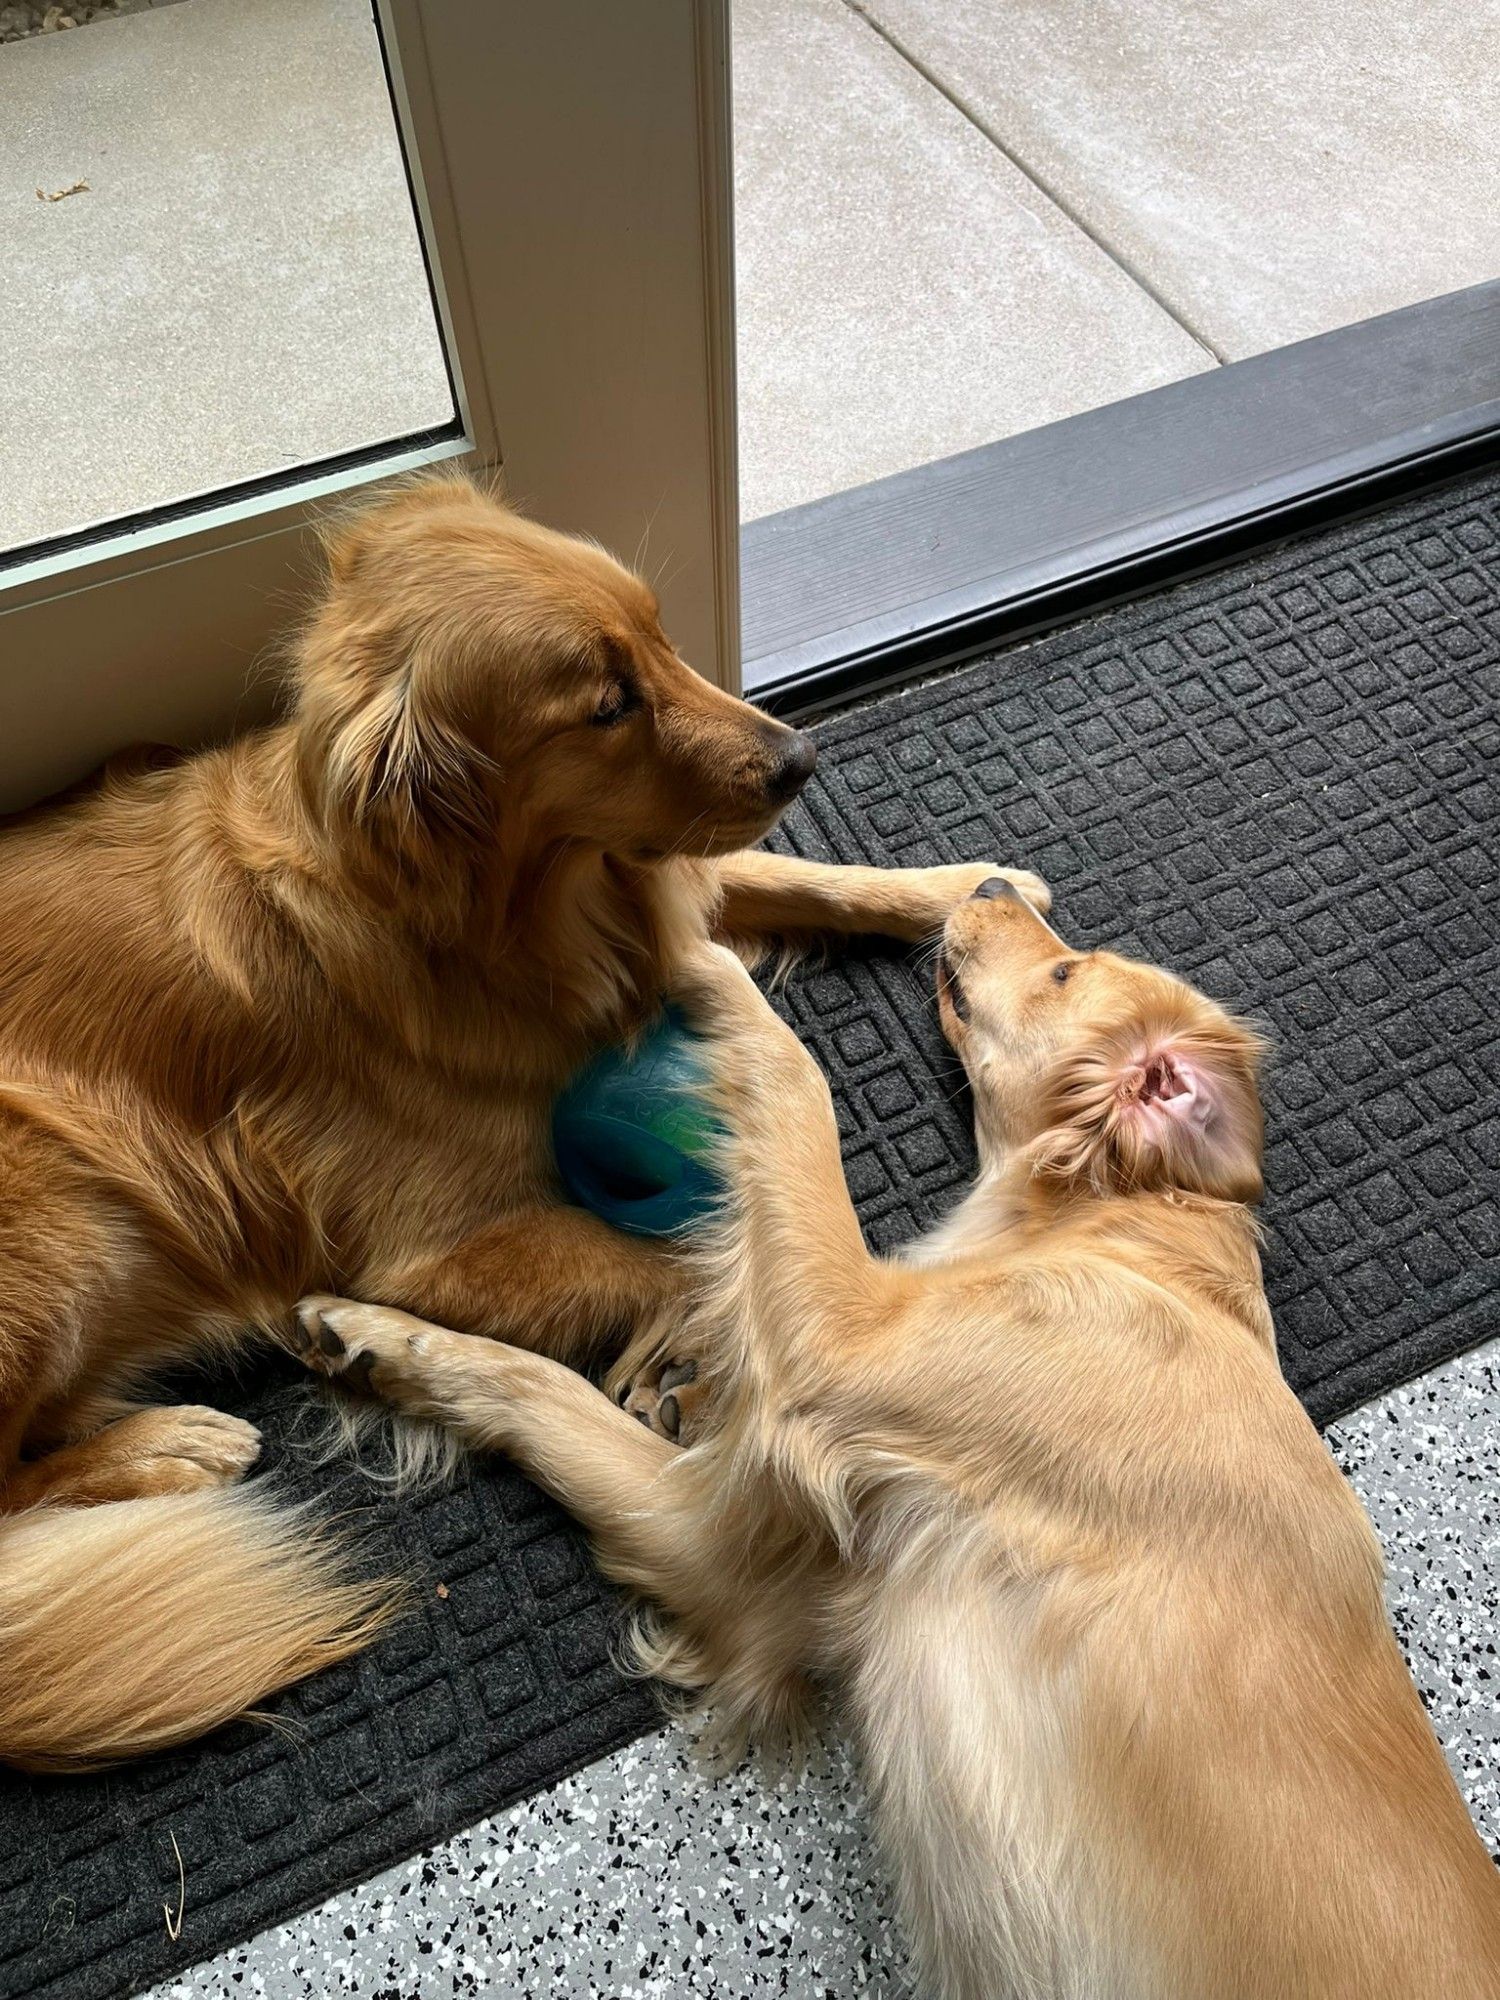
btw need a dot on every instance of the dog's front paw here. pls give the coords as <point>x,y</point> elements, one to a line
<point>954,883</point>
<point>373,1350</point>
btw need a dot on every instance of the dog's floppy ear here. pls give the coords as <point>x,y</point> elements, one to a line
<point>1166,1102</point>
<point>387,749</point>
<point>401,759</point>
<point>390,719</point>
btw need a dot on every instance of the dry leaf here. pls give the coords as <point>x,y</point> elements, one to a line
<point>78,187</point>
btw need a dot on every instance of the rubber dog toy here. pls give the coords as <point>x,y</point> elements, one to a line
<point>633,1138</point>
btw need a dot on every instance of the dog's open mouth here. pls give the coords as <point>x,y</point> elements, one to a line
<point>950,986</point>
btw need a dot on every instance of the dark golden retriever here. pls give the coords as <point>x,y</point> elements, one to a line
<point>289,1015</point>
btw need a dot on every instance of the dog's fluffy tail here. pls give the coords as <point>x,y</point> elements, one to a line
<point>134,1625</point>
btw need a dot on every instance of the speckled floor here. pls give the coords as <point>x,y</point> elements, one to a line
<point>642,1879</point>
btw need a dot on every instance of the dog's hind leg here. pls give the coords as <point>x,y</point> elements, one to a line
<point>68,1257</point>
<point>56,1242</point>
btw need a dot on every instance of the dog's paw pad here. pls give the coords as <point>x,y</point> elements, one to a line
<point>667,1400</point>
<point>348,1343</point>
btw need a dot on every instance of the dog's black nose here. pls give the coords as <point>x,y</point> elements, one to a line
<point>793,768</point>
<point>996,885</point>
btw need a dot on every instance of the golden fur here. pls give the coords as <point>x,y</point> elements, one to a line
<point>1037,1501</point>
<point>291,1014</point>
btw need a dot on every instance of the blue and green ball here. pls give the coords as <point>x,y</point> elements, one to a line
<point>634,1138</point>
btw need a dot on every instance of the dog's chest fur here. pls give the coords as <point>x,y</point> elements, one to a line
<point>307,1095</point>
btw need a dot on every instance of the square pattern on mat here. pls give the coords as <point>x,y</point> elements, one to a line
<point>1279,780</point>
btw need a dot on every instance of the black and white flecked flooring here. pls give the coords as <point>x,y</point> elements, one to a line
<point>642,1879</point>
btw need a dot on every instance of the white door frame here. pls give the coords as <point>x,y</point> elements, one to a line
<point>572,173</point>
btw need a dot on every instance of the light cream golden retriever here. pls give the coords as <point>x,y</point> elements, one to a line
<point>1036,1499</point>
<point>291,1014</point>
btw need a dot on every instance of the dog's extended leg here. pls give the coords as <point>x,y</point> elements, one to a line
<point>798,1249</point>
<point>776,895</point>
<point>727,1564</point>
<point>554,1279</point>
<point>610,1472</point>
<point>802,1277</point>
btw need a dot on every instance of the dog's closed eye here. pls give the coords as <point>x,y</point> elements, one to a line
<point>619,700</point>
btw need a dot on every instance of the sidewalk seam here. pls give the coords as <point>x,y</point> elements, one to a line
<point>1117,257</point>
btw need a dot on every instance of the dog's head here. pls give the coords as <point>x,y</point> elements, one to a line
<point>1100,1071</point>
<point>467,667</point>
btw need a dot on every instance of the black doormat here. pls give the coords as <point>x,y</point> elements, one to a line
<point>1279,781</point>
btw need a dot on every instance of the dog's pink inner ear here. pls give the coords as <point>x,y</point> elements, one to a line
<point>1163,1079</point>
<point>1164,1086</point>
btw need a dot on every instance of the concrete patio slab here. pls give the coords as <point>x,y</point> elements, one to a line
<point>1271,171</point>
<point>904,292</point>
<point>236,287</point>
